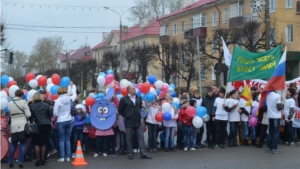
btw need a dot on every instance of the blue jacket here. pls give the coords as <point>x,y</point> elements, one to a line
<point>78,122</point>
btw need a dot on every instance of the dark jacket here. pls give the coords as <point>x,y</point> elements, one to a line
<point>41,113</point>
<point>208,103</point>
<point>130,111</point>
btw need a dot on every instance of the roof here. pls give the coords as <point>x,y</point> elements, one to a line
<point>79,54</point>
<point>100,45</point>
<point>195,5</point>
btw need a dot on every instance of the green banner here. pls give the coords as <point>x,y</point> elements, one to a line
<point>248,65</point>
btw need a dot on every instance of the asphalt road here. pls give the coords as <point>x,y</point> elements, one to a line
<point>228,158</point>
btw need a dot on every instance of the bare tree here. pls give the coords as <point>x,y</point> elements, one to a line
<point>111,60</point>
<point>15,69</point>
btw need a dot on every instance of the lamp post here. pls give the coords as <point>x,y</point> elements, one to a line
<point>67,59</point>
<point>120,42</point>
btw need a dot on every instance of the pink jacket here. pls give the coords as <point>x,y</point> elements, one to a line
<point>108,132</point>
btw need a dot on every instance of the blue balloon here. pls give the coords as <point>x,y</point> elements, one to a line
<point>200,111</point>
<point>102,74</point>
<point>137,92</point>
<point>173,94</point>
<point>65,82</point>
<point>151,79</point>
<point>4,80</point>
<point>150,97</point>
<point>100,96</point>
<point>87,119</point>
<point>118,92</point>
<point>172,85</point>
<point>176,105</point>
<point>54,89</point>
<point>167,116</point>
<point>25,96</point>
<point>143,96</point>
<point>158,92</point>
<point>6,109</point>
<point>162,136</point>
<point>110,71</point>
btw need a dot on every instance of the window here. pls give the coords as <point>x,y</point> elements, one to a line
<point>213,75</point>
<point>199,20</point>
<point>164,30</point>
<point>214,19</point>
<point>167,30</point>
<point>225,16</point>
<point>272,5</point>
<point>191,23</point>
<point>236,9</point>
<point>175,29</point>
<point>255,36</point>
<point>214,46</point>
<point>182,27</point>
<point>183,57</point>
<point>289,33</point>
<point>289,4</point>
<point>144,43</point>
<point>241,9</point>
<point>273,36</point>
<point>203,19</point>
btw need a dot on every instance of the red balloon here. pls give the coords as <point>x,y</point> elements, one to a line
<point>162,95</point>
<point>54,96</point>
<point>152,85</point>
<point>89,101</point>
<point>145,88</point>
<point>191,111</point>
<point>164,88</point>
<point>159,117</point>
<point>6,90</point>
<point>55,79</point>
<point>11,83</point>
<point>138,86</point>
<point>29,76</point>
<point>117,88</point>
<point>124,91</point>
<point>42,81</point>
<point>116,83</point>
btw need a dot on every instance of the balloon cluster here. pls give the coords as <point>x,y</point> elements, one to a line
<point>7,94</point>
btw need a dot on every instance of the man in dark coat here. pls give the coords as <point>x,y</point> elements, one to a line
<point>130,107</point>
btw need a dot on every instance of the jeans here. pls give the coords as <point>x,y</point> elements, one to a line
<point>189,137</point>
<point>274,125</point>
<point>152,129</point>
<point>288,132</point>
<point>54,140</point>
<point>123,141</point>
<point>263,134</point>
<point>77,135</point>
<point>233,126</point>
<point>253,134</point>
<point>245,125</point>
<point>86,141</point>
<point>12,150</point>
<point>221,126</point>
<point>169,137</point>
<point>101,143</point>
<point>64,133</point>
<point>210,132</point>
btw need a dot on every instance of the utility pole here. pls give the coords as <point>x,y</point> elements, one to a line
<point>121,49</point>
<point>67,58</point>
<point>199,66</point>
<point>267,24</point>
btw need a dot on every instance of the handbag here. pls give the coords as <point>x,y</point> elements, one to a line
<point>31,128</point>
<point>73,110</point>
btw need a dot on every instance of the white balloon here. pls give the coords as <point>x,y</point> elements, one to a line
<point>37,77</point>
<point>124,83</point>
<point>171,90</point>
<point>12,90</point>
<point>152,90</point>
<point>176,100</point>
<point>3,103</point>
<point>30,94</point>
<point>10,79</point>
<point>166,107</point>
<point>111,85</point>
<point>101,81</point>
<point>92,95</point>
<point>197,122</point>
<point>3,94</point>
<point>205,118</point>
<point>158,84</point>
<point>49,86</point>
<point>49,80</point>
<point>33,83</point>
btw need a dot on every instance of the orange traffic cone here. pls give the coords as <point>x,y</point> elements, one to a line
<point>79,159</point>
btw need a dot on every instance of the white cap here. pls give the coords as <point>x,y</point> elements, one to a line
<point>80,106</point>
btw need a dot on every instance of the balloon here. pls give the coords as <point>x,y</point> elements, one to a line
<point>166,84</point>
<point>162,136</point>
<point>25,91</point>
<point>253,121</point>
<point>164,101</point>
<point>151,79</point>
<point>101,81</point>
<point>191,111</point>
<point>167,116</point>
<point>49,86</point>
<point>10,83</point>
<point>33,83</point>
<point>100,95</point>
<point>124,91</point>
<point>3,103</point>
<point>110,72</point>
<point>29,77</point>
<point>12,90</point>
<point>143,96</point>
<point>137,92</point>
<point>206,118</point>
<point>166,107</point>
<point>172,85</point>
<point>109,93</point>
<point>49,81</point>
<point>254,110</point>
<point>162,95</point>
<point>54,96</point>
<point>138,86</point>
<point>87,119</point>
<point>124,83</point>
<point>145,88</point>
<point>6,109</point>
<point>201,111</point>
<point>175,99</point>
<point>54,89</point>
<point>102,74</point>
<point>4,80</point>
<point>158,84</point>
<point>65,82</point>
<point>10,79</point>
<point>117,88</point>
<point>42,81</point>
<point>173,94</point>
<point>3,94</point>
<point>165,88</point>
<point>150,97</point>
<point>55,79</point>
<point>152,90</point>
<point>30,94</point>
<point>37,77</point>
<point>158,92</point>
<point>159,117</point>
<point>171,90</point>
<point>119,96</point>
<point>108,79</point>
<point>153,86</point>
<point>89,101</point>
<point>176,105</point>
<point>197,122</point>
<point>5,90</point>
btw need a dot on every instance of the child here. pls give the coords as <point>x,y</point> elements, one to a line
<point>289,116</point>
<point>197,97</point>
<point>86,131</point>
<point>170,127</point>
<point>102,138</point>
<point>79,121</point>
<point>152,125</point>
<point>4,121</point>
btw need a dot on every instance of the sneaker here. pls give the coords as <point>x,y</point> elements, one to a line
<point>216,147</point>
<point>286,143</point>
<point>154,150</point>
<point>73,155</point>
<point>54,151</point>
<point>61,160</point>
<point>138,150</point>
<point>68,159</point>
<point>185,149</point>
<point>193,149</point>
<point>268,150</point>
<point>135,150</point>
<point>96,155</point>
<point>275,151</point>
<point>291,144</point>
<point>104,155</point>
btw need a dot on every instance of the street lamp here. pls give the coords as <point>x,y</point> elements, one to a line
<point>121,32</point>
<point>67,59</point>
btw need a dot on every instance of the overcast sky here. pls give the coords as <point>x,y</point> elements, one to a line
<point>46,14</point>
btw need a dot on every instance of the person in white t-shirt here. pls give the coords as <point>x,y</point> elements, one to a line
<point>274,114</point>
<point>289,106</point>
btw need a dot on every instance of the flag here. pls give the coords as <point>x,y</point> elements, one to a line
<point>227,54</point>
<point>277,80</point>
<point>247,96</point>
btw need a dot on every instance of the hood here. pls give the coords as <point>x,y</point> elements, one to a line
<point>64,99</point>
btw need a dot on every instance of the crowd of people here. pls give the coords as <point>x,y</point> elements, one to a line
<point>59,131</point>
